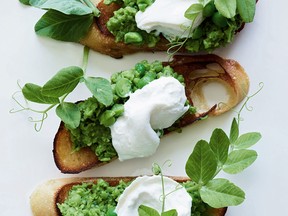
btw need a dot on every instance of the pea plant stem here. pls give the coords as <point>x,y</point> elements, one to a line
<point>85,58</point>
<point>95,10</point>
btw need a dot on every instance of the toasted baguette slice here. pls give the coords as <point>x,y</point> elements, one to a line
<point>101,40</point>
<point>45,197</point>
<point>198,71</point>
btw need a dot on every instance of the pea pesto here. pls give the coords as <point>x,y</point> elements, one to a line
<point>101,199</point>
<point>92,199</point>
<point>214,31</point>
<point>93,130</point>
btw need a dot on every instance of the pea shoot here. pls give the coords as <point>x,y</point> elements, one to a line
<point>224,152</point>
<point>55,91</point>
<point>88,121</point>
<point>218,16</point>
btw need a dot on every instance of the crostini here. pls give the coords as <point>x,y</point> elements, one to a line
<point>71,156</point>
<point>48,197</point>
<point>120,27</point>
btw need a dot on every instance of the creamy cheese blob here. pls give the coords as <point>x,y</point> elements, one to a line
<point>156,106</point>
<point>147,190</point>
<point>167,17</point>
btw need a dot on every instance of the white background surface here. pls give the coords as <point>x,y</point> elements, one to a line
<point>26,156</point>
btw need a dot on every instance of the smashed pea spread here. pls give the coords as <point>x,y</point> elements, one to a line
<point>139,23</point>
<point>96,119</point>
<point>101,199</point>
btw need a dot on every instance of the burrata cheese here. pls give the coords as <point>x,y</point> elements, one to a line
<point>156,106</point>
<point>167,17</point>
<point>148,191</point>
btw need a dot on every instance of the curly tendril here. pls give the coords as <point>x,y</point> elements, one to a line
<point>44,114</point>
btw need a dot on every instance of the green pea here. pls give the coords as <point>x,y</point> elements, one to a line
<point>197,33</point>
<point>209,9</point>
<point>132,37</point>
<point>157,66</point>
<point>123,87</point>
<point>160,75</point>
<point>219,20</point>
<point>180,78</point>
<point>111,212</point>
<point>118,109</point>
<point>114,77</point>
<point>136,80</point>
<point>141,69</point>
<point>192,109</point>
<point>107,118</point>
<point>150,76</point>
<point>168,71</point>
<point>129,74</point>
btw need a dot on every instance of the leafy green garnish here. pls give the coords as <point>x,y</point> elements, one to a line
<point>230,155</point>
<point>220,193</point>
<point>63,27</point>
<point>101,89</point>
<point>69,7</point>
<point>226,7</point>
<point>69,114</point>
<point>247,140</point>
<point>64,82</point>
<point>234,131</point>
<point>202,163</point>
<point>60,86</point>
<point>246,9</point>
<point>65,20</point>
<point>26,2</point>
<point>148,211</point>
<point>239,160</point>
<point>219,144</point>
<point>34,93</point>
<point>193,11</point>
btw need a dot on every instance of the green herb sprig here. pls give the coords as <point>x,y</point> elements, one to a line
<point>220,12</point>
<point>65,20</point>
<point>228,153</point>
<point>227,8</point>
<point>55,91</point>
<point>148,211</point>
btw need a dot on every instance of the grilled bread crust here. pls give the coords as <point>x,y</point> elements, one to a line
<point>101,40</point>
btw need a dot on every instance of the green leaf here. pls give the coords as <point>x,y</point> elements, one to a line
<point>220,193</point>
<point>63,82</point>
<point>171,212</point>
<point>69,113</point>
<point>59,26</point>
<point>26,2</point>
<point>193,11</point>
<point>227,8</point>
<point>147,211</point>
<point>65,6</point>
<point>33,93</point>
<point>246,9</point>
<point>101,89</point>
<point>247,140</point>
<point>202,164</point>
<point>239,160</point>
<point>219,143</point>
<point>205,2</point>
<point>234,131</point>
